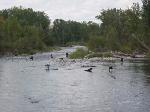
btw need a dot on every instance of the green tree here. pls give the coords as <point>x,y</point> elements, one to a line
<point>146,12</point>
<point>2,34</point>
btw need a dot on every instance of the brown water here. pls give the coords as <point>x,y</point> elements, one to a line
<point>25,86</point>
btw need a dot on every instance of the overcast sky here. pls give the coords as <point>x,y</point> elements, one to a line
<point>78,10</point>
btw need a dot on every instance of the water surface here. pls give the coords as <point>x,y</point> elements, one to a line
<point>25,86</point>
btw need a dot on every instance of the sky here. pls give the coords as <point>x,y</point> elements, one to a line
<point>77,10</point>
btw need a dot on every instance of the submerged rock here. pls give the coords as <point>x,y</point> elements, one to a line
<point>32,100</point>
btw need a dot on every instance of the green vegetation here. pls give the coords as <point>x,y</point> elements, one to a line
<point>22,30</point>
<point>80,53</point>
<point>99,54</point>
<point>148,55</point>
<point>96,44</point>
<point>123,30</point>
<point>28,31</point>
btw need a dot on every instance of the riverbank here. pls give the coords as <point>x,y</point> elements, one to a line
<point>48,49</point>
<point>85,53</point>
<point>82,52</point>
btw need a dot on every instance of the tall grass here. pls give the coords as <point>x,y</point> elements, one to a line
<point>80,53</point>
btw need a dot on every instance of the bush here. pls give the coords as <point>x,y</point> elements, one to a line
<point>79,54</point>
<point>148,55</point>
<point>96,44</point>
<point>126,49</point>
<point>104,54</point>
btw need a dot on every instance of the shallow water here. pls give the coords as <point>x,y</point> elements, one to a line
<point>26,86</point>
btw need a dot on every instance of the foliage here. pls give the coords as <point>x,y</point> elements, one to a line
<point>64,32</point>
<point>96,44</point>
<point>146,12</point>
<point>126,30</point>
<point>99,54</point>
<point>148,54</point>
<point>23,30</point>
<point>80,53</point>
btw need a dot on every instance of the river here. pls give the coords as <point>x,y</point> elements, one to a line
<point>26,86</point>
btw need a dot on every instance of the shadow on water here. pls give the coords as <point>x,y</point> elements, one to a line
<point>146,70</point>
<point>144,67</point>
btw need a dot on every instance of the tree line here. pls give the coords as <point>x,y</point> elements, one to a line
<point>124,30</point>
<point>22,30</point>
<point>28,31</point>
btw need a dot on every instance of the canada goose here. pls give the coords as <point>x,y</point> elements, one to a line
<point>122,59</point>
<point>31,58</point>
<point>110,68</point>
<point>55,69</point>
<point>67,55</point>
<point>51,56</point>
<point>61,58</point>
<point>89,70</point>
<point>47,65</point>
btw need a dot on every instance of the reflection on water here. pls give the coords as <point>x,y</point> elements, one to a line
<point>142,66</point>
<point>25,86</point>
<point>146,67</point>
<point>146,70</point>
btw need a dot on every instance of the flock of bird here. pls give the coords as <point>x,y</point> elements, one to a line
<point>67,55</point>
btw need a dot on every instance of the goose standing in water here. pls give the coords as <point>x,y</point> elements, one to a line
<point>110,68</point>
<point>51,56</point>
<point>67,55</point>
<point>122,59</point>
<point>31,58</point>
<point>48,66</point>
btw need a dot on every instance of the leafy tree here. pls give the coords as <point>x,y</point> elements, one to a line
<point>2,35</point>
<point>96,44</point>
<point>146,12</point>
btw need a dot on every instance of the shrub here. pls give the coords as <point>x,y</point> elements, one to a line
<point>126,49</point>
<point>104,54</point>
<point>148,55</point>
<point>96,44</point>
<point>79,54</point>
